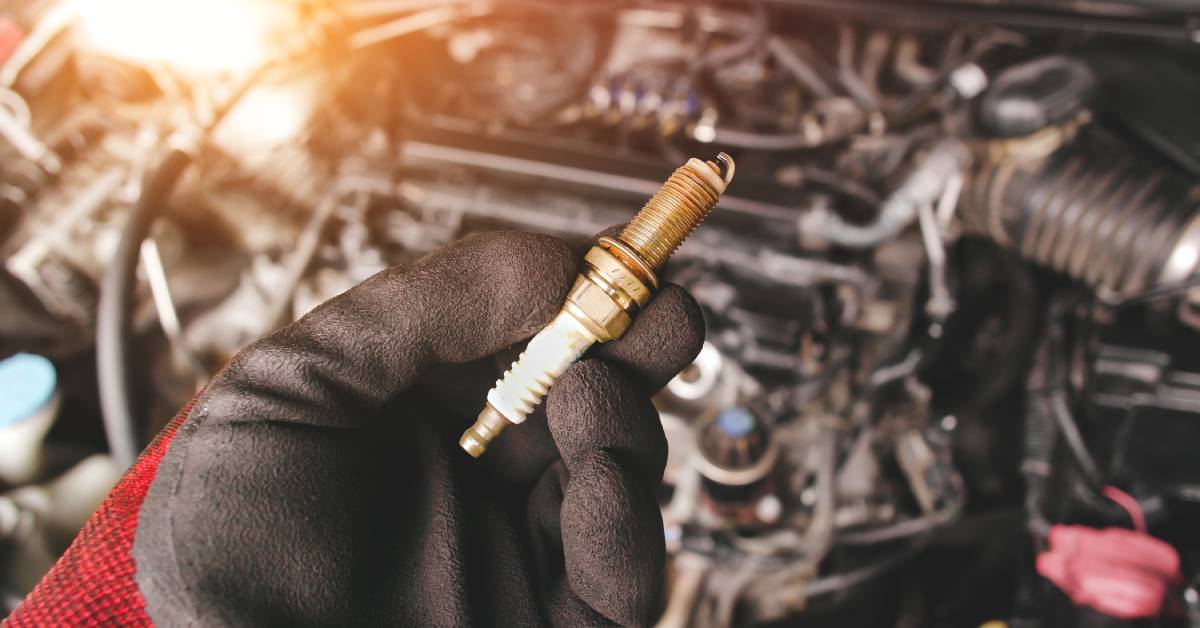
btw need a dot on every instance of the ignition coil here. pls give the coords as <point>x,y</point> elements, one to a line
<point>618,279</point>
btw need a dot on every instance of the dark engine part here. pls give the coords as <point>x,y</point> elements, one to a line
<point>1092,211</point>
<point>737,453</point>
<point>1149,96</point>
<point>1144,416</point>
<point>1033,96</point>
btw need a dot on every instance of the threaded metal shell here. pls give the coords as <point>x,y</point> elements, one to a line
<point>671,215</point>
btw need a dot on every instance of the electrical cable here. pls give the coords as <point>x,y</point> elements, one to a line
<point>168,315</point>
<point>1073,437</point>
<point>1048,416</point>
<point>415,23</point>
<point>115,310</point>
<point>958,534</point>
<point>842,582</point>
<point>877,49</point>
<point>784,583</point>
<point>773,141</point>
<point>1130,505</point>
<point>116,305</point>
<point>1183,492</point>
<point>841,184</point>
<point>795,64</point>
<point>1036,463</point>
<point>1158,293</point>
<point>895,114</point>
<point>898,531</point>
<point>850,79</point>
<point>1054,398</point>
<point>745,46</point>
<point>800,69</point>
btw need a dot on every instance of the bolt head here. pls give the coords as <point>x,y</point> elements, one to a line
<point>768,509</point>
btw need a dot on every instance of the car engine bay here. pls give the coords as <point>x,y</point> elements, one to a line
<point>951,373</point>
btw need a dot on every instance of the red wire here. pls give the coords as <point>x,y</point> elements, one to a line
<point>1131,506</point>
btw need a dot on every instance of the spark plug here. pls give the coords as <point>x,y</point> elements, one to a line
<point>618,279</point>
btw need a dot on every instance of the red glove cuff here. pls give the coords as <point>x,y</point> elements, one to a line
<point>92,584</point>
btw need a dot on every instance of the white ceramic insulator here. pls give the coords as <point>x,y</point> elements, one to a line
<point>548,355</point>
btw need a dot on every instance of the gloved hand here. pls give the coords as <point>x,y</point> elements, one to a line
<point>318,480</point>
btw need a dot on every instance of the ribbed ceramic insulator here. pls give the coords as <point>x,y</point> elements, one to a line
<point>548,354</point>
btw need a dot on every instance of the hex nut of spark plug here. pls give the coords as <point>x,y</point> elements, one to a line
<point>597,310</point>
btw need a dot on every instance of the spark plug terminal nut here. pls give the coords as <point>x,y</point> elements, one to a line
<point>618,279</point>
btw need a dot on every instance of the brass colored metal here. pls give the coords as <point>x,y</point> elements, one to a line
<point>669,217</point>
<point>487,427</point>
<point>630,259</point>
<point>606,268</point>
<point>618,279</point>
<point>599,312</point>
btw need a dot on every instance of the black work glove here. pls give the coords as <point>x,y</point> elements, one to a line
<point>318,480</point>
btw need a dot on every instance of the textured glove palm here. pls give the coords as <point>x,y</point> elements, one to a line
<point>318,481</point>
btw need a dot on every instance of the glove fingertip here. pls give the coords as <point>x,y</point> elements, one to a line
<point>508,286</point>
<point>613,541</point>
<point>595,406</point>
<point>662,340</point>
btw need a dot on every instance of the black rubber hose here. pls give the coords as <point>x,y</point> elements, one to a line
<point>1037,463</point>
<point>1073,437</point>
<point>114,318</point>
<point>1039,440</point>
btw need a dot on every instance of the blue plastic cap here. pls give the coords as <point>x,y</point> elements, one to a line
<point>27,384</point>
<point>736,422</point>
